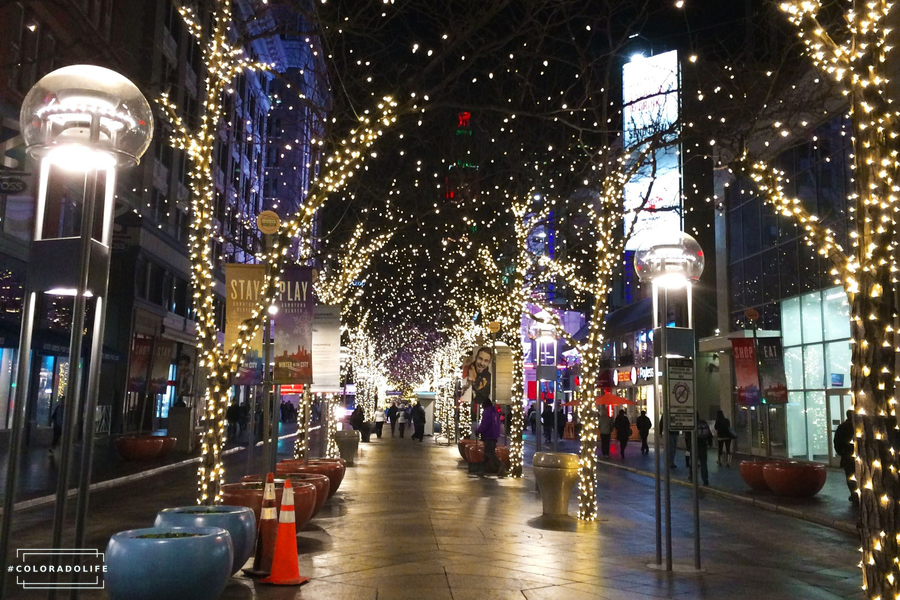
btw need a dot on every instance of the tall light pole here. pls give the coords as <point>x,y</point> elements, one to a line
<point>672,260</point>
<point>81,123</point>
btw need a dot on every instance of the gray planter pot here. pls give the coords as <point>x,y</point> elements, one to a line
<point>348,445</point>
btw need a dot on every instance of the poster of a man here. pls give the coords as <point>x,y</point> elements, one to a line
<point>477,374</point>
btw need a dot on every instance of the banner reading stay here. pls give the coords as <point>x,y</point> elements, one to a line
<point>243,290</point>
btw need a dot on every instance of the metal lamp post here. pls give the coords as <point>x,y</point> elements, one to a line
<point>81,123</point>
<point>670,261</point>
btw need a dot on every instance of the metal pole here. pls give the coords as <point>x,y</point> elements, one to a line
<point>667,424</point>
<point>251,429</point>
<point>74,400</point>
<point>266,378</point>
<point>555,432</point>
<point>306,422</point>
<point>275,402</point>
<point>657,414</point>
<point>20,398</point>
<point>695,444</point>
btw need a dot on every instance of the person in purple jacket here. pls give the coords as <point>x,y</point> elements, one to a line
<point>489,428</point>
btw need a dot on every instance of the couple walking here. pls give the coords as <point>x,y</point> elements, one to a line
<point>621,425</point>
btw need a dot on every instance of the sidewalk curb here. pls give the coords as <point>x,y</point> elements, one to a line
<point>109,483</point>
<point>837,524</point>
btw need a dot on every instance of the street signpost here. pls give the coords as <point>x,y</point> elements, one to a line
<point>682,410</point>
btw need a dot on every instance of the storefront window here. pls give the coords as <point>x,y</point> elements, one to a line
<point>836,313</point>
<point>790,323</point>
<point>793,367</point>
<point>813,367</point>
<point>817,426</point>
<point>837,364</point>
<point>811,306</point>
<point>7,362</point>
<point>796,426</point>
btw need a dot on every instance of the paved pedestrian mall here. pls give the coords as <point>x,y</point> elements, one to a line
<point>410,522</point>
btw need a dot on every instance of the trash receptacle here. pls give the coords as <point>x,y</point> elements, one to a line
<point>348,444</point>
<point>181,426</point>
<point>556,473</point>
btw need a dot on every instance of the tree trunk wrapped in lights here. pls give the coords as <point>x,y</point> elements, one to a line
<point>301,442</point>
<point>223,64</point>
<point>868,270</point>
<point>331,447</point>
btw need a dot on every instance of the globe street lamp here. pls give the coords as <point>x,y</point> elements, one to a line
<point>80,123</point>
<point>672,260</point>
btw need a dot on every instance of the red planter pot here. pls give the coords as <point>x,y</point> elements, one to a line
<point>250,494</point>
<point>333,468</point>
<point>321,482</point>
<point>752,473</point>
<point>793,479</point>
<point>140,447</point>
<point>462,445</point>
<point>503,455</point>
<point>475,453</point>
<point>168,444</point>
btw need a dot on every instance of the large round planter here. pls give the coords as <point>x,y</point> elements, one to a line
<point>168,444</point>
<point>475,453</point>
<point>196,567</point>
<point>238,521</point>
<point>503,455</point>
<point>333,468</point>
<point>348,445</point>
<point>462,445</point>
<point>135,448</point>
<point>366,431</point>
<point>752,473</point>
<point>251,496</point>
<point>793,479</point>
<point>555,473</point>
<point>322,483</point>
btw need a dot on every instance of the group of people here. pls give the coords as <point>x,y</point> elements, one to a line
<point>548,420</point>
<point>398,417</point>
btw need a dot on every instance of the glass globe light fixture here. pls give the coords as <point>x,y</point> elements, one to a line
<point>670,259</point>
<point>86,117</point>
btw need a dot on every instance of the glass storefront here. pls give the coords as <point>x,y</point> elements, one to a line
<point>815,329</point>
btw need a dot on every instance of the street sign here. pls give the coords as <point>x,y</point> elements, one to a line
<point>494,326</point>
<point>268,222</point>
<point>682,410</point>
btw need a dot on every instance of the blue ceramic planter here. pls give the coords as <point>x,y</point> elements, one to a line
<point>168,569</point>
<point>239,521</point>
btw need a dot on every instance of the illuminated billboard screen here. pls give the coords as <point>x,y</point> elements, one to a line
<point>650,94</point>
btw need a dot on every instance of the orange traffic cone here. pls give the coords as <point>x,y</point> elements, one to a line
<point>285,566</point>
<point>268,531</point>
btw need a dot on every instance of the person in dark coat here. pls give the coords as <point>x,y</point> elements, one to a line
<point>704,442</point>
<point>532,421</point>
<point>644,425</point>
<point>232,415</point>
<point>560,423</point>
<point>724,437</point>
<point>418,419</point>
<point>843,445</point>
<point>623,431</point>
<point>357,418</point>
<point>547,422</point>
<point>56,420</point>
<point>489,428</point>
<point>392,417</point>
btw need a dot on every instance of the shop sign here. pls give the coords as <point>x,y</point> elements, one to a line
<point>644,374</point>
<point>745,371</point>
<point>624,377</point>
<point>771,371</point>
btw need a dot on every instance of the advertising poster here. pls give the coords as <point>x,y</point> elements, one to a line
<point>293,327</point>
<point>243,289</point>
<point>745,371</point>
<point>139,368</point>
<point>159,371</point>
<point>771,371</point>
<point>326,350</point>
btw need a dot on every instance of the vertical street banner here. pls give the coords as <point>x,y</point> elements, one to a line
<point>326,350</point>
<point>294,327</point>
<point>771,371</point>
<point>139,368</point>
<point>243,290</point>
<point>159,368</point>
<point>745,371</point>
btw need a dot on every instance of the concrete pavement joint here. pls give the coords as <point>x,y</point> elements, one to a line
<point>109,483</point>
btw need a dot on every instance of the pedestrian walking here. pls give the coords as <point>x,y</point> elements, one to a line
<point>56,420</point>
<point>357,418</point>
<point>401,420</point>
<point>489,428</point>
<point>704,442</point>
<point>606,426</point>
<point>644,425</point>
<point>418,419</point>
<point>724,435</point>
<point>392,415</point>
<point>843,445</point>
<point>547,422</point>
<point>560,423</point>
<point>672,442</point>
<point>232,415</point>
<point>623,431</point>
<point>532,420</point>
<point>379,422</point>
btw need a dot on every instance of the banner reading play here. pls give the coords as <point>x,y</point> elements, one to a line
<point>243,289</point>
<point>745,371</point>
<point>293,327</point>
